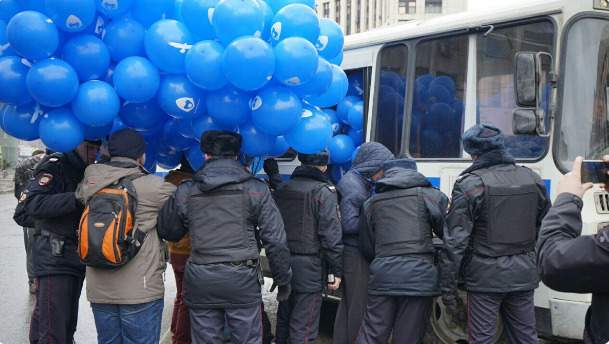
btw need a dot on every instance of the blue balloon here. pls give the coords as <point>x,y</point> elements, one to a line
<point>117,125</point>
<point>343,107</point>
<point>423,81</point>
<point>248,63</point>
<point>185,129</point>
<point>296,61</point>
<point>236,18</point>
<point>445,81</point>
<point>88,55</point>
<point>96,104</point>
<point>167,42</point>
<point>177,11</point>
<point>13,73</point>
<point>147,12</point>
<point>319,84</point>
<point>276,5</point>
<point>295,20</point>
<point>333,118</point>
<point>168,161</point>
<point>439,94</point>
<point>197,15</point>
<point>337,60</point>
<point>330,40</point>
<point>280,148</point>
<point>356,84</point>
<point>113,8</point>
<point>60,131</point>
<point>52,82</point>
<point>341,149</point>
<point>31,5</point>
<point>312,133</point>
<point>255,143</point>
<point>125,37</point>
<point>336,92</point>
<point>22,121</point>
<point>179,97</point>
<point>136,79</point>
<point>201,125</point>
<point>70,15</point>
<point>268,18</point>
<point>275,110</point>
<point>142,116</point>
<point>229,107</point>
<point>5,47</point>
<point>356,116</point>
<point>172,138</point>
<point>32,35</point>
<point>195,157</point>
<point>98,133</point>
<point>8,8</point>
<point>357,136</point>
<point>204,65</point>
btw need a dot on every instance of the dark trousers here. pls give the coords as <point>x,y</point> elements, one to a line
<point>406,316</point>
<point>354,299</point>
<point>517,310</point>
<point>180,320</point>
<point>245,325</point>
<point>55,314</point>
<point>28,237</point>
<point>298,318</point>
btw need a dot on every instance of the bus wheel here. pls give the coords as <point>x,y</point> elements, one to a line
<point>443,330</point>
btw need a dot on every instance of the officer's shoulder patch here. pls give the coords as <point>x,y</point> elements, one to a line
<point>45,179</point>
<point>53,159</point>
<point>332,188</point>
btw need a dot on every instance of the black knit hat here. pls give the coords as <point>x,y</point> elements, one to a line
<point>317,159</point>
<point>126,143</point>
<point>482,138</point>
<point>221,143</point>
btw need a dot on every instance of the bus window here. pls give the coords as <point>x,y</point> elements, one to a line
<point>390,97</point>
<point>495,64</point>
<point>438,101</point>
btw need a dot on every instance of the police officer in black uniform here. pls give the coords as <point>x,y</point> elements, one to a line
<point>309,206</point>
<point>49,200</point>
<point>492,228</point>
<point>226,211</point>
<point>572,263</point>
<point>396,232</point>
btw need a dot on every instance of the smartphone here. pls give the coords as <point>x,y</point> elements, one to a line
<point>595,171</point>
<point>331,279</point>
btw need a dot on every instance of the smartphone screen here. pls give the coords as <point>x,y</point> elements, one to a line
<point>595,171</point>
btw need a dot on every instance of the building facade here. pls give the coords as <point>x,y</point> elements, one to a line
<point>356,16</point>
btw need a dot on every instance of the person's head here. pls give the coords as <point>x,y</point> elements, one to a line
<point>87,151</point>
<point>481,139</point>
<point>37,152</point>
<point>401,161</point>
<point>317,160</point>
<point>371,156</point>
<point>127,143</point>
<point>220,144</point>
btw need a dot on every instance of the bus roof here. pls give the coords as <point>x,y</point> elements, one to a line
<point>453,22</point>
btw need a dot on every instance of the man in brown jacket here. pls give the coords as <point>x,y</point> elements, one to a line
<point>178,255</point>
<point>127,302</point>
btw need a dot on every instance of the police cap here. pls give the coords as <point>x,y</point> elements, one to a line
<point>482,138</point>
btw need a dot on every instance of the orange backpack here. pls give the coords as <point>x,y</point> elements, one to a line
<point>107,236</point>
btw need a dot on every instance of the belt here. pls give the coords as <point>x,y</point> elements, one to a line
<point>250,263</point>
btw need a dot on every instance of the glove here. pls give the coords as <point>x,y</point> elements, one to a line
<point>270,167</point>
<point>283,294</point>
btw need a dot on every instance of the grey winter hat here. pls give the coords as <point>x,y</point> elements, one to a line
<point>482,138</point>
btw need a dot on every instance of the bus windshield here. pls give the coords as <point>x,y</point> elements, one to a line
<point>584,121</point>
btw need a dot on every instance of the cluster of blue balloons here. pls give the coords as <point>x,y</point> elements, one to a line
<point>72,70</point>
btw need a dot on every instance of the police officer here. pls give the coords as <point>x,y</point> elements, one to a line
<point>309,206</point>
<point>225,210</point>
<point>50,201</point>
<point>24,172</point>
<point>397,227</point>
<point>569,262</point>
<point>492,227</point>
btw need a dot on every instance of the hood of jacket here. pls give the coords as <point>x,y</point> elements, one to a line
<point>99,176</point>
<point>370,158</point>
<point>401,178</point>
<point>221,172</point>
<point>491,158</point>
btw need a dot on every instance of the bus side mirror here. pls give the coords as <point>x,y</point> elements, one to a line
<point>525,80</point>
<point>524,122</point>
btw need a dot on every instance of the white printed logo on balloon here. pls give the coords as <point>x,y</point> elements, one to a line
<point>306,113</point>
<point>110,4</point>
<point>294,81</point>
<point>322,43</point>
<point>276,31</point>
<point>256,103</point>
<point>182,46</point>
<point>186,104</point>
<point>73,22</point>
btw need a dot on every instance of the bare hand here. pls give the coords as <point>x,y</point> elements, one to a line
<point>336,284</point>
<point>572,181</point>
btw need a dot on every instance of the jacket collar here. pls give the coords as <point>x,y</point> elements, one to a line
<point>310,172</point>
<point>489,159</point>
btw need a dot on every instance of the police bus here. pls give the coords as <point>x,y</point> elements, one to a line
<point>538,71</point>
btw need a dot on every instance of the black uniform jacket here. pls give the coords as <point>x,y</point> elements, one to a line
<point>569,262</point>
<point>49,200</point>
